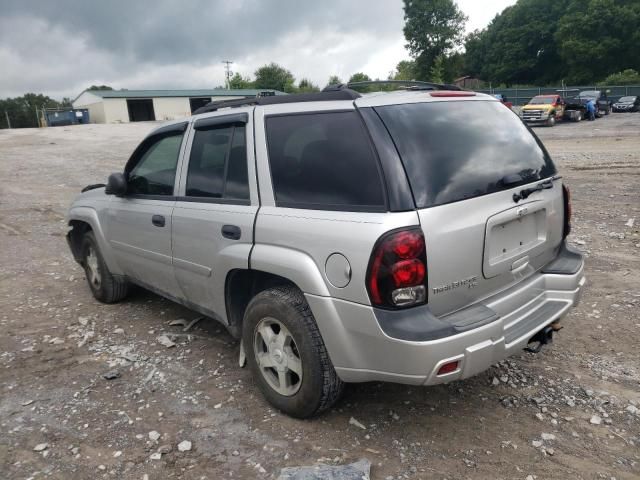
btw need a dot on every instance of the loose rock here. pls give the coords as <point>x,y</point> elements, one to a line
<point>184,446</point>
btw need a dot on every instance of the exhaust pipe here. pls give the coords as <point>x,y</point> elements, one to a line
<point>543,337</point>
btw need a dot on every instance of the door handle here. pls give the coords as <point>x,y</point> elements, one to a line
<point>158,220</point>
<point>231,231</point>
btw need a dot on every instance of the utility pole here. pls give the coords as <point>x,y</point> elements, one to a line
<point>6,114</point>
<point>227,71</point>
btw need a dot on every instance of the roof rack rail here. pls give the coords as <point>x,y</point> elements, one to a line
<point>409,85</point>
<point>324,96</point>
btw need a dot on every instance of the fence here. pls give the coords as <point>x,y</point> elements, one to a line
<point>521,96</point>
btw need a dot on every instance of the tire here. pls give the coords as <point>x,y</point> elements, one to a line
<point>551,121</point>
<point>105,287</point>
<point>297,345</point>
<point>607,111</point>
<point>579,117</point>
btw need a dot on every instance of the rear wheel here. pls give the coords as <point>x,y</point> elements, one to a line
<point>287,355</point>
<point>104,286</point>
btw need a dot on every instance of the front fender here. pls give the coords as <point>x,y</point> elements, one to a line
<point>89,216</point>
<point>291,264</point>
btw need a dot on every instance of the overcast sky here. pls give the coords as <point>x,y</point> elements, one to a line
<point>61,47</point>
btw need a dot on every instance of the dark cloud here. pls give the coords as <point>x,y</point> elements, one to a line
<point>59,47</point>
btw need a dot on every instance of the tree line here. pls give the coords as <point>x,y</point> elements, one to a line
<point>533,42</point>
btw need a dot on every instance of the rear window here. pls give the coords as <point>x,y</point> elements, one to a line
<point>458,150</point>
<point>323,161</point>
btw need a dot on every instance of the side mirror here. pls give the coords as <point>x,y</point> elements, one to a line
<point>116,184</point>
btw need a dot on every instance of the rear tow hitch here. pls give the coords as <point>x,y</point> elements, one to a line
<point>543,337</point>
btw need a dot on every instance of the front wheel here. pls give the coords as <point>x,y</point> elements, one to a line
<point>104,286</point>
<point>286,353</point>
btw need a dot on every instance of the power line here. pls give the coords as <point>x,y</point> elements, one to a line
<point>227,72</point>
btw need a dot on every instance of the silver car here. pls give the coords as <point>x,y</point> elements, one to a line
<point>415,236</point>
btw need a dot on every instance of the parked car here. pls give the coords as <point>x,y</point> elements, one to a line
<point>415,237</point>
<point>504,100</point>
<point>543,109</point>
<point>627,104</point>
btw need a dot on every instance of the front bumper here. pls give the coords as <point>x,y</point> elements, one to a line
<point>362,350</point>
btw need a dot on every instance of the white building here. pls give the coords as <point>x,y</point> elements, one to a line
<point>121,106</point>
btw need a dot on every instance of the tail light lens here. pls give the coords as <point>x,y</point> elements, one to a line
<point>397,273</point>
<point>566,195</point>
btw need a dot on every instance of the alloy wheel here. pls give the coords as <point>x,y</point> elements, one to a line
<point>93,270</point>
<point>277,356</point>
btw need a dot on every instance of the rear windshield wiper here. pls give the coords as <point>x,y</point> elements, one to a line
<point>524,193</point>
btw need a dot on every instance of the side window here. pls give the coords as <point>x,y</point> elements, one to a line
<point>218,164</point>
<point>323,161</point>
<point>155,171</point>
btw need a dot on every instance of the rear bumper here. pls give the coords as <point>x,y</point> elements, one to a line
<point>363,348</point>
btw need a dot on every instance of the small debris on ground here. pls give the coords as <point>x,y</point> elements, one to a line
<point>111,375</point>
<point>165,341</point>
<point>360,470</point>
<point>184,446</point>
<point>356,423</point>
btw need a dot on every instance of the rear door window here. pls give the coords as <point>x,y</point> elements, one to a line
<point>456,150</point>
<point>323,161</point>
<point>218,164</point>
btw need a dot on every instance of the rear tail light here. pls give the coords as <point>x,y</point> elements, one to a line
<point>397,273</point>
<point>566,196</point>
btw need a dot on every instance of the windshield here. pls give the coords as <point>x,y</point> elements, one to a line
<point>542,100</point>
<point>627,99</point>
<point>456,150</point>
<point>588,94</point>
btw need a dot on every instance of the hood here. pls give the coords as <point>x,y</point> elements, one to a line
<point>538,106</point>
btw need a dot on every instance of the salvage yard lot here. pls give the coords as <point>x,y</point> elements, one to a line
<point>572,411</point>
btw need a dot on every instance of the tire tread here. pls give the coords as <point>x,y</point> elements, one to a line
<point>332,386</point>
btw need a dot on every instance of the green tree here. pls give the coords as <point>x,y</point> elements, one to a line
<point>100,87</point>
<point>599,37</point>
<point>626,77</point>
<point>238,82</point>
<point>307,86</point>
<point>334,80</point>
<point>519,45</point>
<point>361,77</point>
<point>545,41</point>
<point>432,28</point>
<point>436,73</point>
<point>22,110</point>
<point>405,70</point>
<point>274,77</point>
<point>452,66</point>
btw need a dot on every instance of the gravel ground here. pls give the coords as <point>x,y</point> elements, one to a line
<point>571,411</point>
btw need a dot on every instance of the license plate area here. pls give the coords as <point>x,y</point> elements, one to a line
<point>512,235</point>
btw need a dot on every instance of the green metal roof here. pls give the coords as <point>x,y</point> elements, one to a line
<point>213,92</point>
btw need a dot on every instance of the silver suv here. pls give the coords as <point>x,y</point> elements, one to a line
<point>415,236</point>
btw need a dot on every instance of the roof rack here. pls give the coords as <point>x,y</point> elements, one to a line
<point>324,96</point>
<point>409,85</point>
